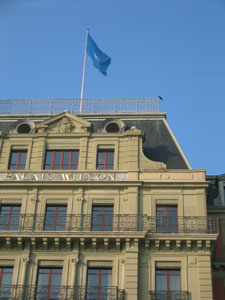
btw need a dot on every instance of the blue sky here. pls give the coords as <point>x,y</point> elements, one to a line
<point>171,48</point>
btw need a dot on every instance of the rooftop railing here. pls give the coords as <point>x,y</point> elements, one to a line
<point>53,292</point>
<point>116,223</point>
<point>51,106</point>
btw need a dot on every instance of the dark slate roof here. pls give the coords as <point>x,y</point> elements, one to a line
<point>158,143</point>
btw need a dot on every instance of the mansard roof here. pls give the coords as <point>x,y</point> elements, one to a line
<point>159,142</point>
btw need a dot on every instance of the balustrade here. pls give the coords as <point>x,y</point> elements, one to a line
<point>116,223</point>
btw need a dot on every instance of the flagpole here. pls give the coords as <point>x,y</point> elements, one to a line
<point>84,67</point>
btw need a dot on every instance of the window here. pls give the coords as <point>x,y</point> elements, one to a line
<point>61,160</point>
<point>166,219</point>
<point>102,218</point>
<point>99,284</point>
<point>167,284</point>
<point>48,283</point>
<point>9,217</point>
<point>5,282</point>
<point>105,160</point>
<point>55,218</point>
<point>17,160</point>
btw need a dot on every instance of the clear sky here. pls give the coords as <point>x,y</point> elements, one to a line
<point>171,48</point>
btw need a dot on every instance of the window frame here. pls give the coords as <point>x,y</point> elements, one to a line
<point>18,163</point>
<point>106,164</point>
<point>168,279</point>
<point>53,162</point>
<point>10,216</point>
<point>166,226</point>
<point>48,294</point>
<point>56,215</point>
<point>102,224</point>
<point>97,290</point>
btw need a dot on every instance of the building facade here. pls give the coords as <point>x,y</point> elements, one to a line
<point>101,207</point>
<point>216,209</point>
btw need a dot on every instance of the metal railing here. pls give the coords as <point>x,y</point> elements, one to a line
<point>116,223</point>
<point>116,105</point>
<point>73,223</point>
<point>29,292</point>
<point>165,295</point>
<point>183,225</point>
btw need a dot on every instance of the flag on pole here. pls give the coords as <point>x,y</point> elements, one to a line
<point>101,61</point>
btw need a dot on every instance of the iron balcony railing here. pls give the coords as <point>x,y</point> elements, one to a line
<point>117,223</point>
<point>116,105</point>
<point>41,292</point>
<point>165,295</point>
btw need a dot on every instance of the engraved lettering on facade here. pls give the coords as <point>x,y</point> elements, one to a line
<point>70,177</point>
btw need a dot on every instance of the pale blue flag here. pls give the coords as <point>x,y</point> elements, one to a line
<point>101,61</point>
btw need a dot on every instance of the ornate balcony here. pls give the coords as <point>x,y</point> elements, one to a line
<point>182,225</point>
<point>165,295</point>
<point>19,292</point>
<point>113,223</point>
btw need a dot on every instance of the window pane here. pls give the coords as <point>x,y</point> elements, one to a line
<point>66,159</point>
<point>110,160</point>
<point>55,218</point>
<point>168,280</point>
<point>13,160</point>
<point>105,160</point>
<point>23,157</point>
<point>6,276</point>
<point>102,218</point>
<point>48,283</point>
<point>74,161</point>
<point>61,160</point>
<point>18,160</point>
<point>99,284</point>
<point>166,219</point>
<point>57,160</point>
<point>174,280</point>
<point>48,160</point>
<point>9,217</point>
<point>161,280</point>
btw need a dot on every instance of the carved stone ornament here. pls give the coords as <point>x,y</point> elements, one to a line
<point>65,125</point>
<point>75,260</point>
<point>25,259</point>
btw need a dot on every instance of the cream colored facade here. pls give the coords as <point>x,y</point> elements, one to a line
<point>136,185</point>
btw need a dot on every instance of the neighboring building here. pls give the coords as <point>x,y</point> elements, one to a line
<point>216,208</point>
<point>101,207</point>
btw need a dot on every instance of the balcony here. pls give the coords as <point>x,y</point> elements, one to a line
<point>173,225</point>
<point>114,223</point>
<point>19,292</point>
<point>165,295</point>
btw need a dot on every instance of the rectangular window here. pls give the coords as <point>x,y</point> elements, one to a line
<point>167,281</point>
<point>61,160</point>
<point>166,219</point>
<point>6,274</point>
<point>99,283</point>
<point>9,217</point>
<point>55,218</point>
<point>17,160</point>
<point>48,283</point>
<point>102,218</point>
<point>105,160</point>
